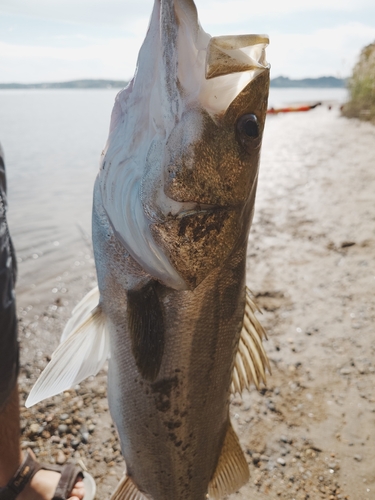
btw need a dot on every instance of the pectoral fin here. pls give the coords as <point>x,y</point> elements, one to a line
<point>232,470</point>
<point>127,490</point>
<point>82,353</point>
<point>251,359</point>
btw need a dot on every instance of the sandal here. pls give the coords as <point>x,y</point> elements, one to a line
<point>69,475</point>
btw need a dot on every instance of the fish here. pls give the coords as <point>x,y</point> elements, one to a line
<point>173,205</point>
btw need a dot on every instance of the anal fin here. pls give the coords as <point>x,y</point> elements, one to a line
<point>251,360</point>
<point>127,490</point>
<point>232,470</point>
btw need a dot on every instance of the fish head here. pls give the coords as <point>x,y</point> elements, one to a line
<point>180,169</point>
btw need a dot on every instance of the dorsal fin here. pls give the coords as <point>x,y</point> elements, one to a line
<point>251,360</point>
<point>127,490</point>
<point>232,470</point>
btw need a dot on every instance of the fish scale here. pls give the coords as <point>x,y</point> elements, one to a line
<point>173,204</point>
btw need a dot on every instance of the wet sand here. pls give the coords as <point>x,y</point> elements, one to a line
<point>310,434</point>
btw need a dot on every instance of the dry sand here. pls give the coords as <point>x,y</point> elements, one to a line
<point>311,433</point>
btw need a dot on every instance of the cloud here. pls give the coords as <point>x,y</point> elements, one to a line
<point>108,59</point>
<point>88,53</point>
<point>331,51</point>
<point>237,11</point>
<point>102,12</point>
<point>211,12</point>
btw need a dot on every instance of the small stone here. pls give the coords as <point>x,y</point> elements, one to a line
<point>271,406</point>
<point>281,461</point>
<point>75,443</point>
<point>358,458</point>
<point>333,465</point>
<point>60,458</point>
<point>345,371</point>
<point>84,434</point>
<point>285,439</point>
<point>62,429</point>
<point>271,465</point>
<point>64,416</point>
<point>34,428</point>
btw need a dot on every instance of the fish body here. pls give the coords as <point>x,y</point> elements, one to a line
<point>173,204</point>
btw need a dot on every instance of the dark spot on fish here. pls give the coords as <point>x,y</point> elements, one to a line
<point>165,386</point>
<point>178,444</point>
<point>146,325</point>
<point>172,436</point>
<point>173,425</point>
<point>184,448</point>
<point>162,391</point>
<point>183,225</point>
<point>177,370</point>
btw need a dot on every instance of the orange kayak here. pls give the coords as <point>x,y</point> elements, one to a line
<point>292,109</point>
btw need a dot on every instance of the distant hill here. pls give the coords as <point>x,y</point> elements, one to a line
<point>280,82</point>
<point>322,82</point>
<point>75,84</point>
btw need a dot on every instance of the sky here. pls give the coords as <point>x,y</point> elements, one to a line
<point>62,40</point>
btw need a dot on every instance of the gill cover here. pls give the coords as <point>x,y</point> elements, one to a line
<point>179,67</point>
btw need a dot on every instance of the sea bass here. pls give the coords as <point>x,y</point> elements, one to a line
<point>173,204</point>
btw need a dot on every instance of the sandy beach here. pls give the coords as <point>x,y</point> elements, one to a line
<point>310,433</point>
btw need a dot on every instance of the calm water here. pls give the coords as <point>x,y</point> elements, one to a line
<point>52,141</point>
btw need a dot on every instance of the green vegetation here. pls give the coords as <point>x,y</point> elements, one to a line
<point>362,87</point>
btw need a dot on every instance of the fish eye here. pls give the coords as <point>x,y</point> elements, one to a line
<point>247,132</point>
<point>248,125</point>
